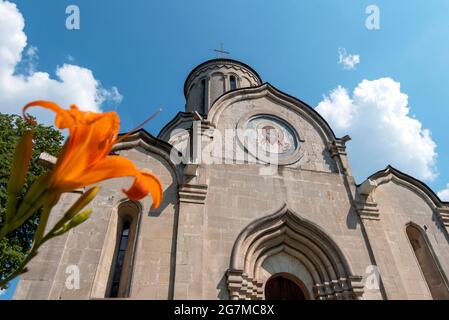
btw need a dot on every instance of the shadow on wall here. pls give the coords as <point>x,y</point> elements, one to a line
<point>352,219</point>
<point>329,161</point>
<point>169,197</point>
<point>223,293</point>
<point>439,225</point>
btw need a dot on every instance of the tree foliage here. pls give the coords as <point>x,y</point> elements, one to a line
<point>14,248</point>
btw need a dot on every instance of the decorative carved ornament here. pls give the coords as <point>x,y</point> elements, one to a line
<point>285,232</point>
<point>269,138</point>
<point>365,205</point>
<point>193,193</point>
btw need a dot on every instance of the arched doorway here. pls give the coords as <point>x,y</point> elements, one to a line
<point>283,287</point>
<point>259,251</point>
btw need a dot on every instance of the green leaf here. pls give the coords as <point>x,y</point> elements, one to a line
<point>75,221</point>
<point>48,205</point>
<point>19,170</point>
<point>82,201</point>
<point>34,199</point>
<point>37,189</point>
<point>79,218</point>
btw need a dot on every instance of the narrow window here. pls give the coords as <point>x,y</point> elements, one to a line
<point>232,83</point>
<point>120,259</point>
<point>203,95</point>
<point>428,264</point>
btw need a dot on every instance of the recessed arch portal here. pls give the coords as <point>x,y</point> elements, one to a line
<point>315,259</point>
<point>285,286</point>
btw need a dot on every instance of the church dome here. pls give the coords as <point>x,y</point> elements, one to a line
<point>212,78</point>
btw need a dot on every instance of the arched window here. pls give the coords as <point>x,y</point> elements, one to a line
<point>203,95</point>
<point>232,83</point>
<point>431,270</point>
<point>120,259</point>
<point>121,269</point>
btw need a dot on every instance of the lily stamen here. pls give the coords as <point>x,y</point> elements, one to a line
<point>140,126</point>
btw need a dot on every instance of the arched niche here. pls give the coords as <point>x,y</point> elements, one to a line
<point>428,263</point>
<point>314,258</point>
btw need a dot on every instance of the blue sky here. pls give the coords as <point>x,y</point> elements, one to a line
<point>145,49</point>
<point>8,293</point>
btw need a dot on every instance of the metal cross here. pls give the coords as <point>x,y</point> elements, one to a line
<point>221,52</point>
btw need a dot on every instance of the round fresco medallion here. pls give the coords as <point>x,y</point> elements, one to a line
<point>272,135</point>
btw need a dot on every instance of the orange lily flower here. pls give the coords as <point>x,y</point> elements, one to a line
<point>84,158</point>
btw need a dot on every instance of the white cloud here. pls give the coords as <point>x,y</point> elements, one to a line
<point>377,118</point>
<point>340,117</point>
<point>21,83</point>
<point>70,58</point>
<point>2,291</point>
<point>31,51</point>
<point>444,194</point>
<point>349,61</point>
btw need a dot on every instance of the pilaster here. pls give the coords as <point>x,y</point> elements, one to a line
<point>337,150</point>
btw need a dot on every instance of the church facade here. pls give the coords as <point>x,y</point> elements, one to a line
<point>259,203</point>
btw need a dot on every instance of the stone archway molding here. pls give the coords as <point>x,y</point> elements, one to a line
<point>284,231</point>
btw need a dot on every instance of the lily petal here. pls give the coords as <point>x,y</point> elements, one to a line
<point>63,118</point>
<point>145,183</point>
<point>90,142</point>
<point>84,159</point>
<point>115,167</point>
<point>107,168</point>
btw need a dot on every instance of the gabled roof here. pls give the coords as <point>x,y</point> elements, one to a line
<point>173,123</point>
<point>149,143</point>
<point>381,177</point>
<point>276,94</point>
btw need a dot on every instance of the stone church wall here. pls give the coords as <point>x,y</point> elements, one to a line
<point>89,246</point>
<point>238,195</point>
<point>399,206</point>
